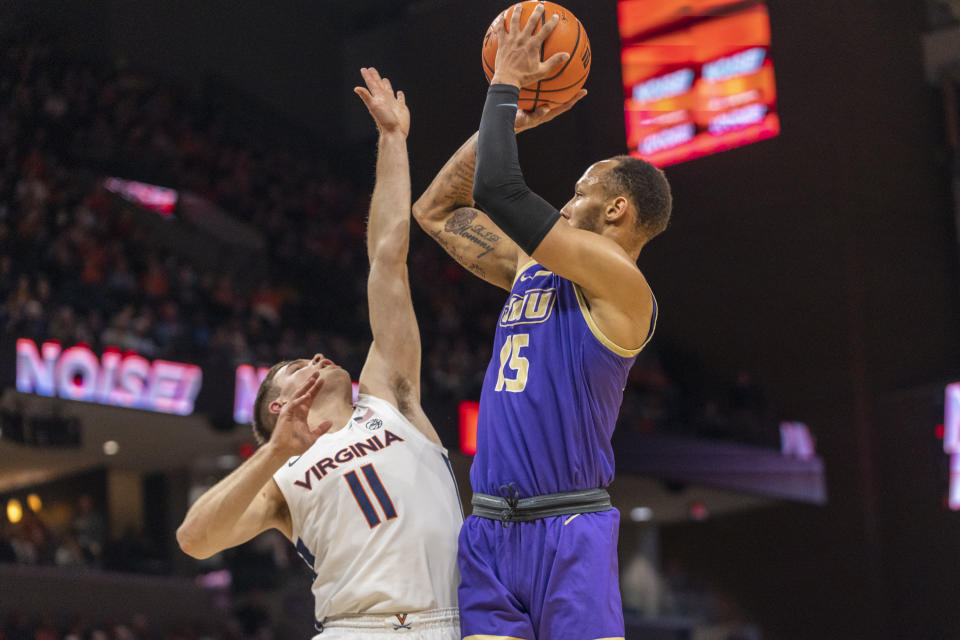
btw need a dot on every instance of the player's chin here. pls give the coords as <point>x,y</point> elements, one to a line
<point>335,375</point>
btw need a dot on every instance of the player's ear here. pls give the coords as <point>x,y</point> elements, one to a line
<point>275,406</point>
<point>617,209</point>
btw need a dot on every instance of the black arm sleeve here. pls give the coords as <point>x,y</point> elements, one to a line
<point>498,185</point>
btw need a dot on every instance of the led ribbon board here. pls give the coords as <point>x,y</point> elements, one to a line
<point>951,441</point>
<point>149,196</point>
<point>120,379</point>
<point>697,77</point>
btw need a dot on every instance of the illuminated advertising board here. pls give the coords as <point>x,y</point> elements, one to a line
<point>120,379</point>
<point>467,413</point>
<point>951,442</point>
<point>248,382</point>
<point>697,77</point>
<point>148,196</point>
<point>127,379</point>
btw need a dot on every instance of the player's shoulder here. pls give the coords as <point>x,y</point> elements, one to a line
<point>374,412</point>
<point>531,270</point>
<point>368,403</point>
<point>623,323</point>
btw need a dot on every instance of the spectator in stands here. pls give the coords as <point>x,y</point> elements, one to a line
<point>89,529</point>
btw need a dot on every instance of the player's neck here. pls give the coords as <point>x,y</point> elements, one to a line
<point>629,247</point>
<point>339,411</point>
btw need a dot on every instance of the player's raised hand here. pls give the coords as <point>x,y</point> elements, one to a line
<point>293,435</point>
<point>518,50</point>
<point>545,113</point>
<point>389,110</point>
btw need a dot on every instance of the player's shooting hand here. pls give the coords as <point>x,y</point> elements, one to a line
<point>293,435</point>
<point>545,113</point>
<point>518,51</point>
<point>389,111</point>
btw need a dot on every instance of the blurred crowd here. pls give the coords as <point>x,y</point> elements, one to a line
<point>941,14</point>
<point>76,542</point>
<point>250,586</point>
<point>18,624</point>
<point>77,264</point>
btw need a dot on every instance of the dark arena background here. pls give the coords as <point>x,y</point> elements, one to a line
<point>183,189</point>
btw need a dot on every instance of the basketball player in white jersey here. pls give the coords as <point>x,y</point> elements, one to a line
<point>365,492</point>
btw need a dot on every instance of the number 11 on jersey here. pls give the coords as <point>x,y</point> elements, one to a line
<point>363,501</point>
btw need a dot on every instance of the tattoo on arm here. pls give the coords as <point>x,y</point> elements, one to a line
<point>453,186</point>
<point>461,224</point>
<point>459,257</point>
<point>462,187</point>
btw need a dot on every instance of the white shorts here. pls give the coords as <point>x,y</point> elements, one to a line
<point>438,624</point>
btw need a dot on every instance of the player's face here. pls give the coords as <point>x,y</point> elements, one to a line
<point>585,210</point>
<point>295,374</point>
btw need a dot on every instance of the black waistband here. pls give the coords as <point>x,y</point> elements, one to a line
<point>512,508</point>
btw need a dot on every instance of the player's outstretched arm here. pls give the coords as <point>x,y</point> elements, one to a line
<point>248,502</point>
<point>392,369</point>
<point>597,264</point>
<point>447,213</point>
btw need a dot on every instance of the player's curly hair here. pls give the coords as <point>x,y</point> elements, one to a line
<point>263,420</point>
<point>647,188</point>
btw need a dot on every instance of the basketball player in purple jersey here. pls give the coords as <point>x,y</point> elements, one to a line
<point>538,556</point>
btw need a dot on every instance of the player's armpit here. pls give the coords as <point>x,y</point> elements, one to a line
<point>381,379</point>
<point>621,301</point>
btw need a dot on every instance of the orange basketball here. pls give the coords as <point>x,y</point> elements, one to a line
<point>569,36</point>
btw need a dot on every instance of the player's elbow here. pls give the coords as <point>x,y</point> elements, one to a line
<point>191,542</point>
<point>429,215</point>
<point>389,252</point>
<point>421,210</point>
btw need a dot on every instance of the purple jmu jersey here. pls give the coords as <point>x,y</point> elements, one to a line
<point>551,393</point>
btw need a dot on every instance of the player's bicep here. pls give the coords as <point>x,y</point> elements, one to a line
<point>393,321</point>
<point>473,240</point>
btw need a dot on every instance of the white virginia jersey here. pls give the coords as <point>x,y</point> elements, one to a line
<point>376,514</point>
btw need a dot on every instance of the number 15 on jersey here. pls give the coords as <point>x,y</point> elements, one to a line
<point>512,363</point>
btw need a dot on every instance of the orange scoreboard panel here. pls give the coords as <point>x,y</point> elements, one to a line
<point>697,77</point>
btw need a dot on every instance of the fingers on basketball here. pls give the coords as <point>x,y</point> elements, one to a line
<point>515,18</point>
<point>563,81</point>
<point>554,62</point>
<point>532,21</point>
<point>500,27</point>
<point>566,106</point>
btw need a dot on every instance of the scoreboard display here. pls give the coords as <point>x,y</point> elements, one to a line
<point>697,77</point>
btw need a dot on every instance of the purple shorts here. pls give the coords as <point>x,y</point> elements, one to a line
<point>548,579</point>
